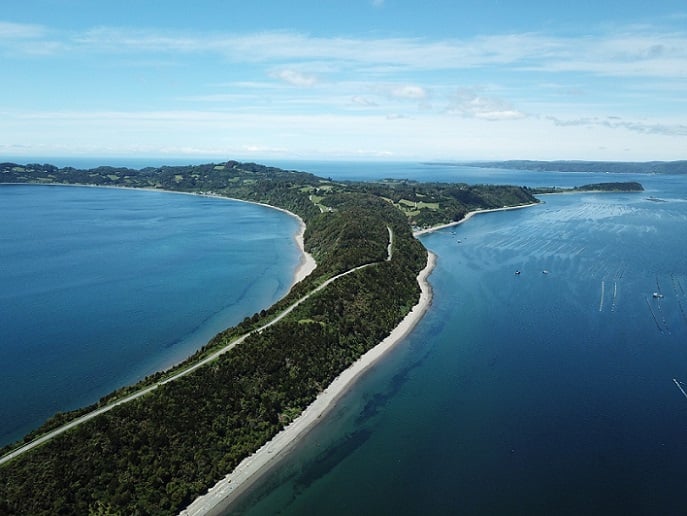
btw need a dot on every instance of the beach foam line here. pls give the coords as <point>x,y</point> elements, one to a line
<point>222,495</point>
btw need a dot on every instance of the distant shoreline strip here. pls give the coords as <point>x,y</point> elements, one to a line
<point>468,216</point>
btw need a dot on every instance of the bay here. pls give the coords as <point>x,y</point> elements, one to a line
<point>102,287</point>
<point>535,393</point>
<point>545,392</point>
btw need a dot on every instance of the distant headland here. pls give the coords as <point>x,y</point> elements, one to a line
<point>626,186</point>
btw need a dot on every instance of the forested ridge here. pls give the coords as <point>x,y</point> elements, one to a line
<point>155,454</point>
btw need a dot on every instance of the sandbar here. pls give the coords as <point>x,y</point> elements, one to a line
<point>222,495</point>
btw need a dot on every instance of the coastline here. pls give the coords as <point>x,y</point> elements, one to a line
<point>468,216</point>
<point>202,335</point>
<point>307,264</point>
<point>222,495</point>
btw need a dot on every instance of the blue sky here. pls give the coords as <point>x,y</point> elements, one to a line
<point>356,79</point>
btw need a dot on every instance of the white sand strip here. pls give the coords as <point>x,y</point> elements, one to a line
<point>308,263</point>
<point>224,493</point>
<point>468,216</point>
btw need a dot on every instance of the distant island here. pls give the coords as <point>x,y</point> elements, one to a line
<point>610,167</point>
<point>627,186</point>
<point>173,440</point>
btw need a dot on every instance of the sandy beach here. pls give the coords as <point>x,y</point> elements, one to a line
<point>221,496</point>
<point>308,263</point>
<point>468,216</point>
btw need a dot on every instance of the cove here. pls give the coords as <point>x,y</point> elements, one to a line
<point>101,287</point>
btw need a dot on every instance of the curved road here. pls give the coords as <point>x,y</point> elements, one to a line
<point>60,430</point>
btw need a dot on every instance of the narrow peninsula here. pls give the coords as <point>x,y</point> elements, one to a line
<point>156,446</point>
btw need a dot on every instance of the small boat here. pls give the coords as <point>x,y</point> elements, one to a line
<point>544,271</point>
<point>517,273</point>
<point>657,295</point>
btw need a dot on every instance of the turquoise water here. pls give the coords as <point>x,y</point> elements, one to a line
<point>539,393</point>
<point>101,287</point>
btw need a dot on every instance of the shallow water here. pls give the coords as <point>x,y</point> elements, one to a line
<point>101,287</point>
<point>547,392</point>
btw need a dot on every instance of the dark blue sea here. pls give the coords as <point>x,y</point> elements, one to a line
<point>102,287</point>
<point>546,392</point>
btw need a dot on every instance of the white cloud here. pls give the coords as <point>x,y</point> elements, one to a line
<point>469,104</point>
<point>363,101</point>
<point>634,52</point>
<point>18,39</point>
<point>14,31</point>
<point>262,150</point>
<point>615,122</point>
<point>410,92</point>
<point>295,78</point>
<point>389,74</point>
<point>233,135</point>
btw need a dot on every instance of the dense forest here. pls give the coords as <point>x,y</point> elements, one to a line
<point>155,454</point>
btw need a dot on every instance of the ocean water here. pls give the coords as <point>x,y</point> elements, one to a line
<point>537,393</point>
<point>545,392</point>
<point>101,287</point>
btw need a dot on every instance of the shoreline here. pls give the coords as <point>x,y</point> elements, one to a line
<point>307,263</point>
<point>469,215</point>
<point>224,493</point>
<point>201,335</point>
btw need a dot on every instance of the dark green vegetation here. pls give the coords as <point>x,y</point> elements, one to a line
<point>629,186</point>
<point>154,455</point>
<point>627,167</point>
<point>429,204</point>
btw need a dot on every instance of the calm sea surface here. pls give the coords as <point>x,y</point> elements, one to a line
<point>101,287</point>
<point>547,392</point>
